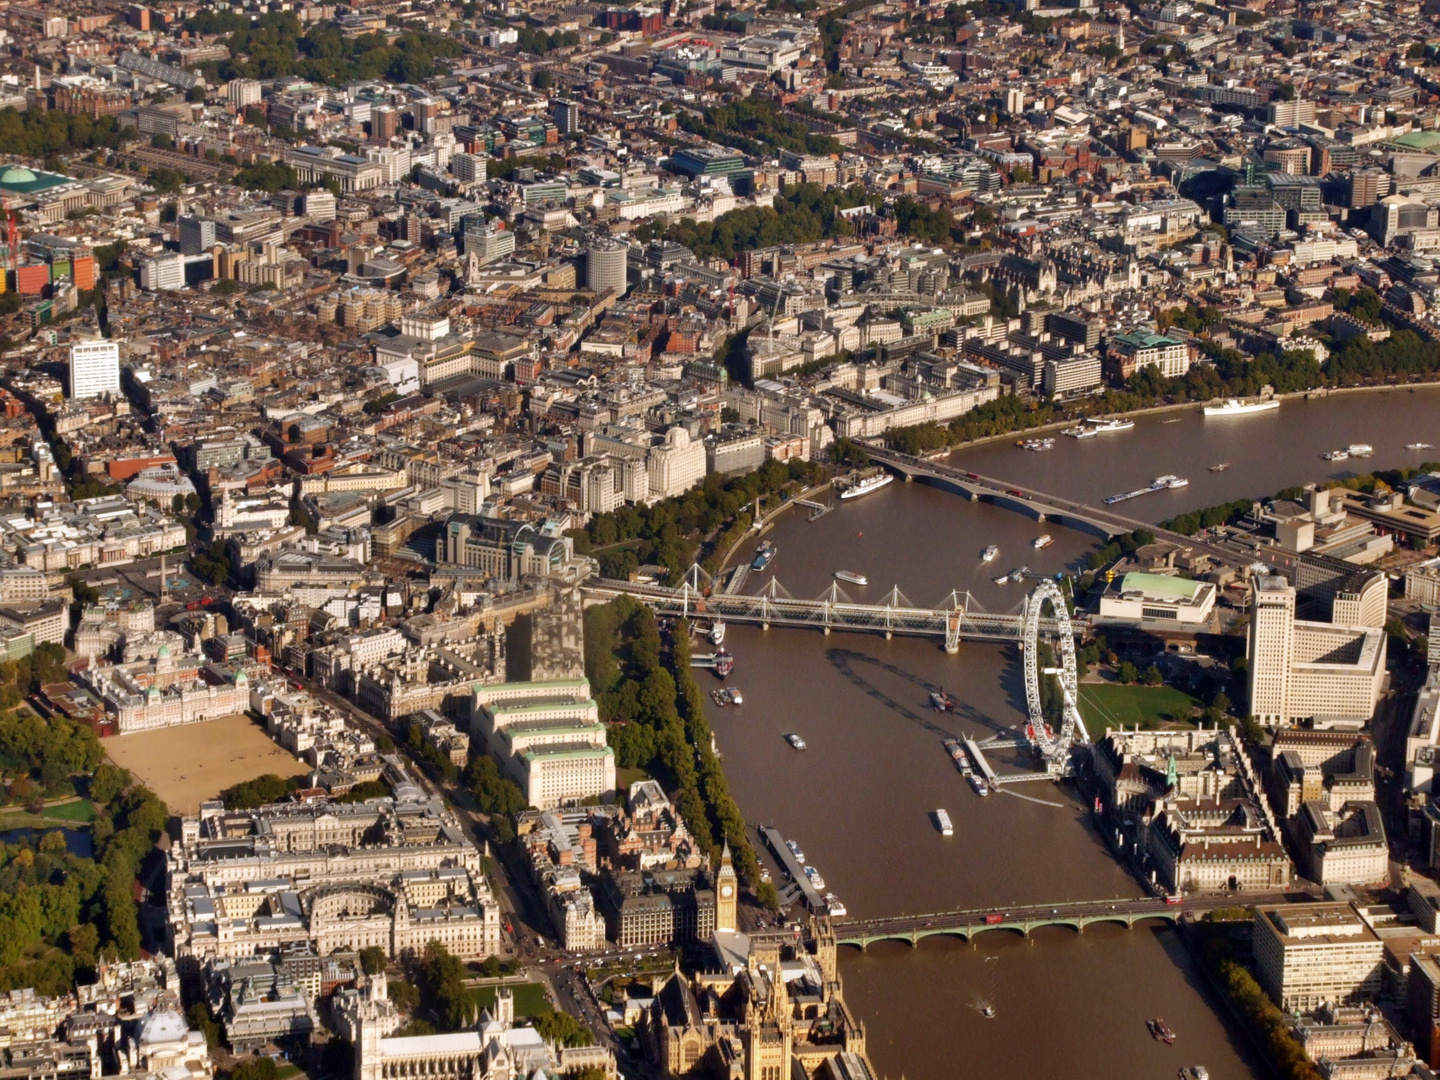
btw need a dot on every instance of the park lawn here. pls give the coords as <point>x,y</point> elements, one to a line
<point>79,810</point>
<point>1105,705</point>
<point>74,815</point>
<point>530,998</point>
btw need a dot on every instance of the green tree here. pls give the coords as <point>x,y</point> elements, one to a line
<point>373,960</point>
<point>1127,672</point>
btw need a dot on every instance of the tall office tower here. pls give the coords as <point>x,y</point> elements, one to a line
<point>1272,646</point>
<point>94,369</point>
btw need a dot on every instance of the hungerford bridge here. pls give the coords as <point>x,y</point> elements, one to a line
<point>1023,920</point>
<point>956,619</point>
<point>953,621</point>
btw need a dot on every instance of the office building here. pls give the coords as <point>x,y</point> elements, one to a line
<point>1309,954</point>
<point>384,123</point>
<point>1310,670</point>
<point>1127,353</point>
<point>696,161</point>
<point>94,369</point>
<point>197,234</point>
<point>243,92</point>
<point>1290,113</point>
<point>1366,187</point>
<point>163,272</point>
<point>549,737</point>
<point>566,115</point>
<point>605,265</point>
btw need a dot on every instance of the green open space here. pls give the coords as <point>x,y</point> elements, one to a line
<point>79,810</point>
<point>530,998</point>
<point>70,815</point>
<point>1105,705</point>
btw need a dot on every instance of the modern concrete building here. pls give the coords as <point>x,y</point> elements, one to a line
<point>1139,597</point>
<point>605,265</point>
<point>197,234</point>
<point>94,369</point>
<point>1306,670</point>
<point>1310,954</point>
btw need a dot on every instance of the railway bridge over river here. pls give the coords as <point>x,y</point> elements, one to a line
<point>956,619</point>
<point>1076,915</point>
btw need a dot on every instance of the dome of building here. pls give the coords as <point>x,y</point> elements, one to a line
<point>163,1026</point>
<point>17,174</point>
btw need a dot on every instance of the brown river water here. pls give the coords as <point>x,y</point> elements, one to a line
<point>858,800</point>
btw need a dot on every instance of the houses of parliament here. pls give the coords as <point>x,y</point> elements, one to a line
<point>766,1007</point>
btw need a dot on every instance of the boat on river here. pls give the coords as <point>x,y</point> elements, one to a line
<point>717,633</point>
<point>942,822</point>
<point>852,577</point>
<point>1419,446</point>
<point>989,553</point>
<point>1360,449</point>
<point>1080,432</point>
<point>1043,541</point>
<point>1038,445</point>
<point>1106,427</point>
<point>1237,407</point>
<point>1161,1030</point>
<point>866,485</point>
<point>1221,467</point>
<point>795,740</point>
<point>764,556</point>
<point>1336,455</point>
<point>940,701</point>
<point>1160,483</point>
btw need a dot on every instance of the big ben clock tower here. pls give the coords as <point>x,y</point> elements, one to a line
<point>725,893</point>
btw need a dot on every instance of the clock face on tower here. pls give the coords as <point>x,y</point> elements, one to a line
<point>725,891</point>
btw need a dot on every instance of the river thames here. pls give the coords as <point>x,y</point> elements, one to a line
<point>858,801</point>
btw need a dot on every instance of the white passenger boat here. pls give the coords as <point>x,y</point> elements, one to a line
<point>1105,427</point>
<point>1043,541</point>
<point>866,486</point>
<point>1360,449</point>
<point>942,822</point>
<point>1419,446</point>
<point>717,633</point>
<point>1236,407</point>
<point>852,577</point>
<point>1080,432</point>
<point>1336,455</point>
<point>989,553</point>
<point>795,740</point>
